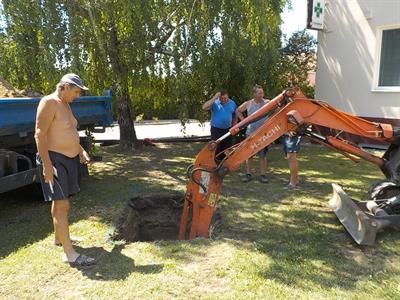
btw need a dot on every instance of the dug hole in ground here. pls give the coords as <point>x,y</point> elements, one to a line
<point>155,217</point>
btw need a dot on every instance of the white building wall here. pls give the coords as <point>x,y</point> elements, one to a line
<point>347,57</point>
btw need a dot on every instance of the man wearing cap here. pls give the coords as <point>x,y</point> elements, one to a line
<point>59,154</point>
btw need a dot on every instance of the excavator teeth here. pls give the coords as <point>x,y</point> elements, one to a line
<point>359,223</point>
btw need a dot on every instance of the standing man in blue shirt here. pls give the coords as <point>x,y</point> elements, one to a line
<point>222,118</point>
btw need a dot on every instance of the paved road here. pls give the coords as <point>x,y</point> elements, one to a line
<point>158,130</point>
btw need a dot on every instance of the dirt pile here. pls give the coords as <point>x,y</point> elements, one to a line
<point>8,91</point>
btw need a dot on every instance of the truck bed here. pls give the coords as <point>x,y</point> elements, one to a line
<point>17,117</point>
<point>17,125</point>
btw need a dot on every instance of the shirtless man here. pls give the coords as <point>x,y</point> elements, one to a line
<point>59,154</point>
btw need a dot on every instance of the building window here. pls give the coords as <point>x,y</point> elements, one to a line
<point>389,62</point>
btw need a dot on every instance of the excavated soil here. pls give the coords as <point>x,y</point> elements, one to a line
<point>8,91</point>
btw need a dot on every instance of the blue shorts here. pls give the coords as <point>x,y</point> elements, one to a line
<point>291,144</point>
<point>262,153</point>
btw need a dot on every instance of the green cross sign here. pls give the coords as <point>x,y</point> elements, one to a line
<point>318,9</point>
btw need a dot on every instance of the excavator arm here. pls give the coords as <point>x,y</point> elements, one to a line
<point>290,111</point>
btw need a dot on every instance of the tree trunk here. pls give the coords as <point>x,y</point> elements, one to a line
<point>127,131</point>
<point>128,137</point>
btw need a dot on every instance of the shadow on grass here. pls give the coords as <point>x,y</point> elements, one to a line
<point>24,219</point>
<point>114,265</point>
<point>307,244</point>
<point>296,229</point>
<point>183,250</point>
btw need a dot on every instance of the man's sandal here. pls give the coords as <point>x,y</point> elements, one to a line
<point>82,261</point>
<point>290,186</point>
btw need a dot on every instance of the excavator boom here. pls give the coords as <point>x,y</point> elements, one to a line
<point>290,111</point>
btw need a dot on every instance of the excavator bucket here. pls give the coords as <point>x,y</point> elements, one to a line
<point>356,218</point>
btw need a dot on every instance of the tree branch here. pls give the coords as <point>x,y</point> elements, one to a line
<point>160,50</point>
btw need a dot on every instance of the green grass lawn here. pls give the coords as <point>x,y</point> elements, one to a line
<point>273,243</point>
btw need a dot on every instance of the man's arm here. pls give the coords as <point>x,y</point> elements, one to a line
<point>84,157</point>
<point>241,109</point>
<point>209,103</point>
<point>44,116</point>
<point>234,116</point>
<point>234,119</point>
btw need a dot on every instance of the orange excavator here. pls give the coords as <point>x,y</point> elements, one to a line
<point>291,111</point>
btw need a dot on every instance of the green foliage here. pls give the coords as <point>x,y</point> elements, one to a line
<point>298,59</point>
<point>163,58</point>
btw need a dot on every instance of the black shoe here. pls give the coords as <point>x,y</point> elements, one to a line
<point>263,178</point>
<point>247,178</point>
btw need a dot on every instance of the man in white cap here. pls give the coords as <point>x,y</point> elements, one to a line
<point>59,154</point>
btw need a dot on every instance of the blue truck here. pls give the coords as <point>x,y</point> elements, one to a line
<point>17,125</point>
